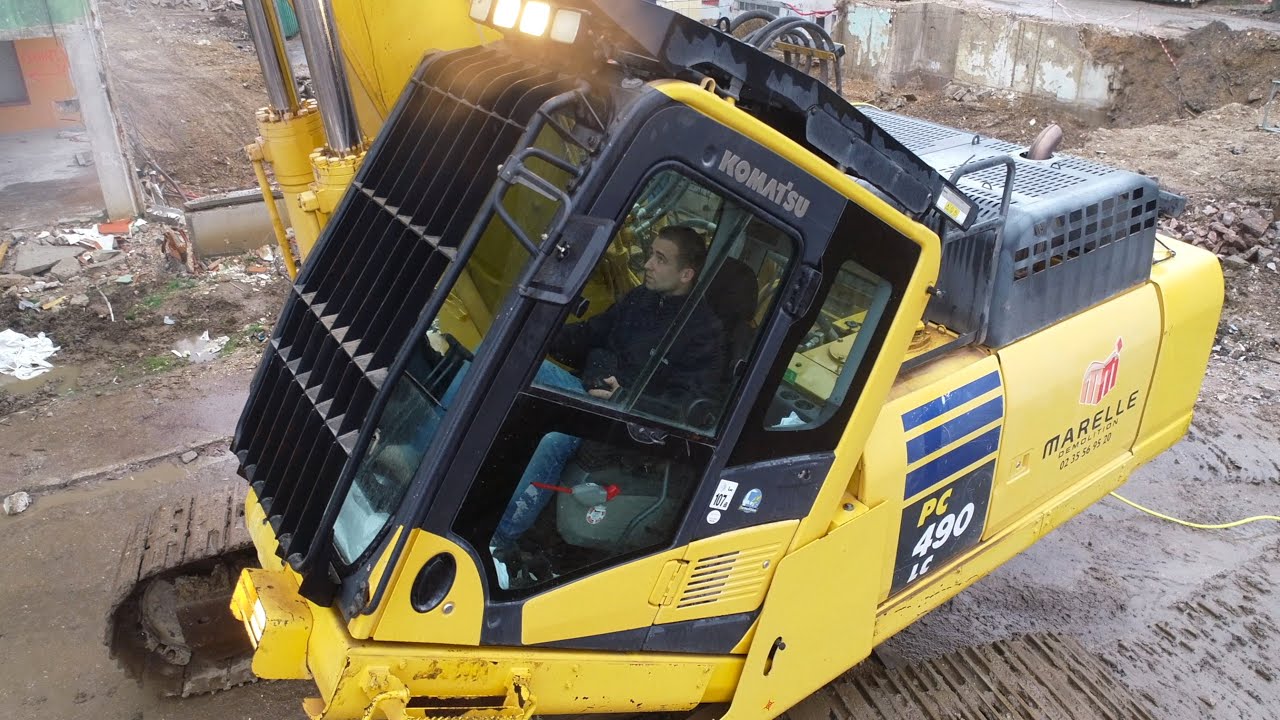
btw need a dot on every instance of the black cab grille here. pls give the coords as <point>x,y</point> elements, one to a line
<point>396,232</point>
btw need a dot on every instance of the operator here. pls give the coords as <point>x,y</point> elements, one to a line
<point>613,348</point>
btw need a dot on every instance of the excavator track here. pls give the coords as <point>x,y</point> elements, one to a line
<point>1032,677</point>
<point>169,625</point>
<point>170,628</point>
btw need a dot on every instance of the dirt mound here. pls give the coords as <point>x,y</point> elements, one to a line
<point>187,84</point>
<point>1164,79</point>
<point>1220,156</point>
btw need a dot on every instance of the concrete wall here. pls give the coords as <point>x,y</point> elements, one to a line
<point>932,44</point>
<point>46,71</point>
<point>73,27</point>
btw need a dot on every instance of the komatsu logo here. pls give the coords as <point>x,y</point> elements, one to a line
<point>1100,377</point>
<point>777,192</point>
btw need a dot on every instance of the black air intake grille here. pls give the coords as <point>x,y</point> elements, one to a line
<point>371,275</point>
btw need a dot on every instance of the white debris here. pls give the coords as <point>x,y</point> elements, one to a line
<point>16,503</point>
<point>25,357</point>
<point>200,349</point>
<point>90,238</point>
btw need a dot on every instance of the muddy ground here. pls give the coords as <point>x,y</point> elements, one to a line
<point>186,82</point>
<point>1187,618</point>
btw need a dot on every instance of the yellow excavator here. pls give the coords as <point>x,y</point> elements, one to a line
<point>628,368</point>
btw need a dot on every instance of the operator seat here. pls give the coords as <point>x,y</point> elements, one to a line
<point>732,297</point>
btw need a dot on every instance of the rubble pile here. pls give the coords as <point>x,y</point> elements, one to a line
<point>202,5</point>
<point>1238,234</point>
<point>61,267</point>
<point>74,267</point>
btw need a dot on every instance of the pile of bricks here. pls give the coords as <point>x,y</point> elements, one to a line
<point>1239,234</point>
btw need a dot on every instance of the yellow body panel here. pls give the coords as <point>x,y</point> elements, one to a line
<point>1056,438</point>
<point>1041,478</point>
<point>1190,290</point>
<point>384,41</point>
<point>278,621</point>
<point>883,480</point>
<point>725,574</point>
<point>455,621</point>
<point>594,605</point>
<point>814,623</point>
<point>904,609</point>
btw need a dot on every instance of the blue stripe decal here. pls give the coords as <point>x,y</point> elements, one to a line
<point>944,467</point>
<point>954,429</point>
<point>950,401</point>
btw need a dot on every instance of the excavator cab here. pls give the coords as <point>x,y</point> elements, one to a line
<point>433,466</point>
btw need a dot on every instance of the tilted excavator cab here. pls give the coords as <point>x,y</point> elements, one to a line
<point>428,441</point>
<point>570,398</point>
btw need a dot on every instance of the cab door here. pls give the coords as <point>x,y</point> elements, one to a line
<point>650,520</point>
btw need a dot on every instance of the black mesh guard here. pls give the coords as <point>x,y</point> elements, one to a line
<point>372,273</point>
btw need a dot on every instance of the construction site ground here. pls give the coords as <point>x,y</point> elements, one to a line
<point>1188,620</point>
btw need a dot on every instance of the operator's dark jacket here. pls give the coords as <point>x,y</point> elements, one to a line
<point>618,342</point>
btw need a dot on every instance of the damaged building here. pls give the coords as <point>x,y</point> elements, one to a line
<point>61,153</point>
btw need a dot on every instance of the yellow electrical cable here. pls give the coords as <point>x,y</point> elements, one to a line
<point>1199,526</point>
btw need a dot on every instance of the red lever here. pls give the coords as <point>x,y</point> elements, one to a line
<point>610,491</point>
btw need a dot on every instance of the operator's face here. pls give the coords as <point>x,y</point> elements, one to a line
<point>662,271</point>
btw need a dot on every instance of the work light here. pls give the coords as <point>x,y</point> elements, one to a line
<point>536,18</point>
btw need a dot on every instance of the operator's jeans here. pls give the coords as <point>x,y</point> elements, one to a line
<point>548,460</point>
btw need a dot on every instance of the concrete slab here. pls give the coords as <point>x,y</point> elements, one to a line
<point>33,259</point>
<point>230,223</point>
<point>66,268</point>
<point>40,180</point>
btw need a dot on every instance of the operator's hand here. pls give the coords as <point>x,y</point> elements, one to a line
<point>606,393</point>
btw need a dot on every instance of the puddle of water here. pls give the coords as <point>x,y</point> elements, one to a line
<point>165,473</point>
<point>66,376</point>
<point>200,348</point>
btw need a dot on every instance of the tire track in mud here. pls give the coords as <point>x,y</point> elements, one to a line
<point>1216,653</point>
<point>1030,677</point>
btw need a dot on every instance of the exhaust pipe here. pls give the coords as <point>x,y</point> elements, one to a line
<point>1045,144</point>
<point>329,75</point>
<point>268,41</point>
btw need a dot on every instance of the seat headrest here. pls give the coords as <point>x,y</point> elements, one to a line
<point>732,294</point>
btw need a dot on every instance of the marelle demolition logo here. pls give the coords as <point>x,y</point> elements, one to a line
<point>1100,377</point>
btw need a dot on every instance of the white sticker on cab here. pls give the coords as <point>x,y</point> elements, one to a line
<point>724,495</point>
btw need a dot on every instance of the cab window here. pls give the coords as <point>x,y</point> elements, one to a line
<point>604,449</point>
<point>822,367</point>
<point>675,308</point>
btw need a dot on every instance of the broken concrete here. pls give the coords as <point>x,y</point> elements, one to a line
<point>35,259</point>
<point>938,44</point>
<point>66,268</point>
<point>106,259</point>
<point>230,223</point>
